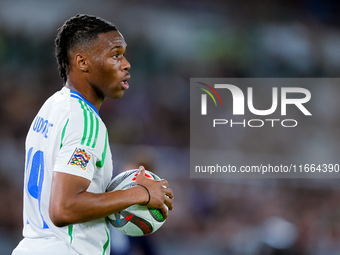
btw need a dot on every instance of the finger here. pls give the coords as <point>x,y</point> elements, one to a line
<point>169,193</point>
<point>164,183</point>
<point>141,171</point>
<point>164,211</point>
<point>168,202</point>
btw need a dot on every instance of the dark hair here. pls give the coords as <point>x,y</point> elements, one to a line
<point>77,30</point>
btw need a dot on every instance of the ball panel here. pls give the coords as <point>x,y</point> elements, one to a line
<point>156,214</point>
<point>155,177</point>
<point>114,183</point>
<point>142,224</point>
<point>131,230</point>
<point>120,219</point>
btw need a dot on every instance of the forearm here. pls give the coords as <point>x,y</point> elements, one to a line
<point>81,206</point>
<point>88,206</point>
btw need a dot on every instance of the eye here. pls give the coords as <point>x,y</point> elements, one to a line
<point>116,55</point>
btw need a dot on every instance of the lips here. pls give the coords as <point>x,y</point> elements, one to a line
<point>124,83</point>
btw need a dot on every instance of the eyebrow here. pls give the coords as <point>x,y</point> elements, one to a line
<point>117,46</point>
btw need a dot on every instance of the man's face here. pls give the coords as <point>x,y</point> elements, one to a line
<point>108,68</point>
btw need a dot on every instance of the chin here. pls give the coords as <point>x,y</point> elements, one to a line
<point>118,95</point>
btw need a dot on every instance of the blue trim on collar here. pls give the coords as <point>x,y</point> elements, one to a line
<point>76,94</point>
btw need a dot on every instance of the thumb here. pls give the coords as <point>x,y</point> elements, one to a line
<point>142,170</point>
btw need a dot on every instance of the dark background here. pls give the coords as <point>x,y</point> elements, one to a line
<point>168,43</point>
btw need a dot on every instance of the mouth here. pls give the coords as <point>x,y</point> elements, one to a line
<point>124,83</point>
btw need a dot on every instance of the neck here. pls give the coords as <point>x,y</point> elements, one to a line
<point>86,91</point>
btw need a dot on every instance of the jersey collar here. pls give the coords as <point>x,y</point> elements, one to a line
<point>76,94</point>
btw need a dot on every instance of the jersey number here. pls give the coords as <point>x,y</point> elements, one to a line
<point>36,177</point>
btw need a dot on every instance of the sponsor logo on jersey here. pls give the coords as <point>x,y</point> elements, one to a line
<point>80,158</point>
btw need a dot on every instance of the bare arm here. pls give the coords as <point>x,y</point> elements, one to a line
<point>70,203</point>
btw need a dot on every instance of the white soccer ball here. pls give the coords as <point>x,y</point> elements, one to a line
<point>135,220</point>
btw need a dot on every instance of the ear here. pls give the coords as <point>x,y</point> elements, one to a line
<point>81,62</point>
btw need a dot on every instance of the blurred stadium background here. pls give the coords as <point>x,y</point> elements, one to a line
<point>169,42</point>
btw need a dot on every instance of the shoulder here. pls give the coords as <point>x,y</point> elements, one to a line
<point>52,116</point>
<point>84,122</point>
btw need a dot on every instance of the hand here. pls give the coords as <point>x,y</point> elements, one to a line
<point>160,194</point>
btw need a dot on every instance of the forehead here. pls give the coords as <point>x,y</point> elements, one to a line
<point>109,40</point>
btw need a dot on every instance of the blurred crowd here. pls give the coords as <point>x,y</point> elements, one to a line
<point>168,43</point>
<point>255,217</point>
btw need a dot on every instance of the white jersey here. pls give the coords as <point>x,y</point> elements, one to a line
<point>68,136</point>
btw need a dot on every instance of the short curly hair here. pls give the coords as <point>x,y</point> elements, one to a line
<point>77,30</point>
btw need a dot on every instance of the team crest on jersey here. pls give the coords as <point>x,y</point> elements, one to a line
<point>80,158</point>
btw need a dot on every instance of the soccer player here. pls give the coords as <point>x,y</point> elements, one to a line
<point>68,160</point>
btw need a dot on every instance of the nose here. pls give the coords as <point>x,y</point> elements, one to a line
<point>125,64</point>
